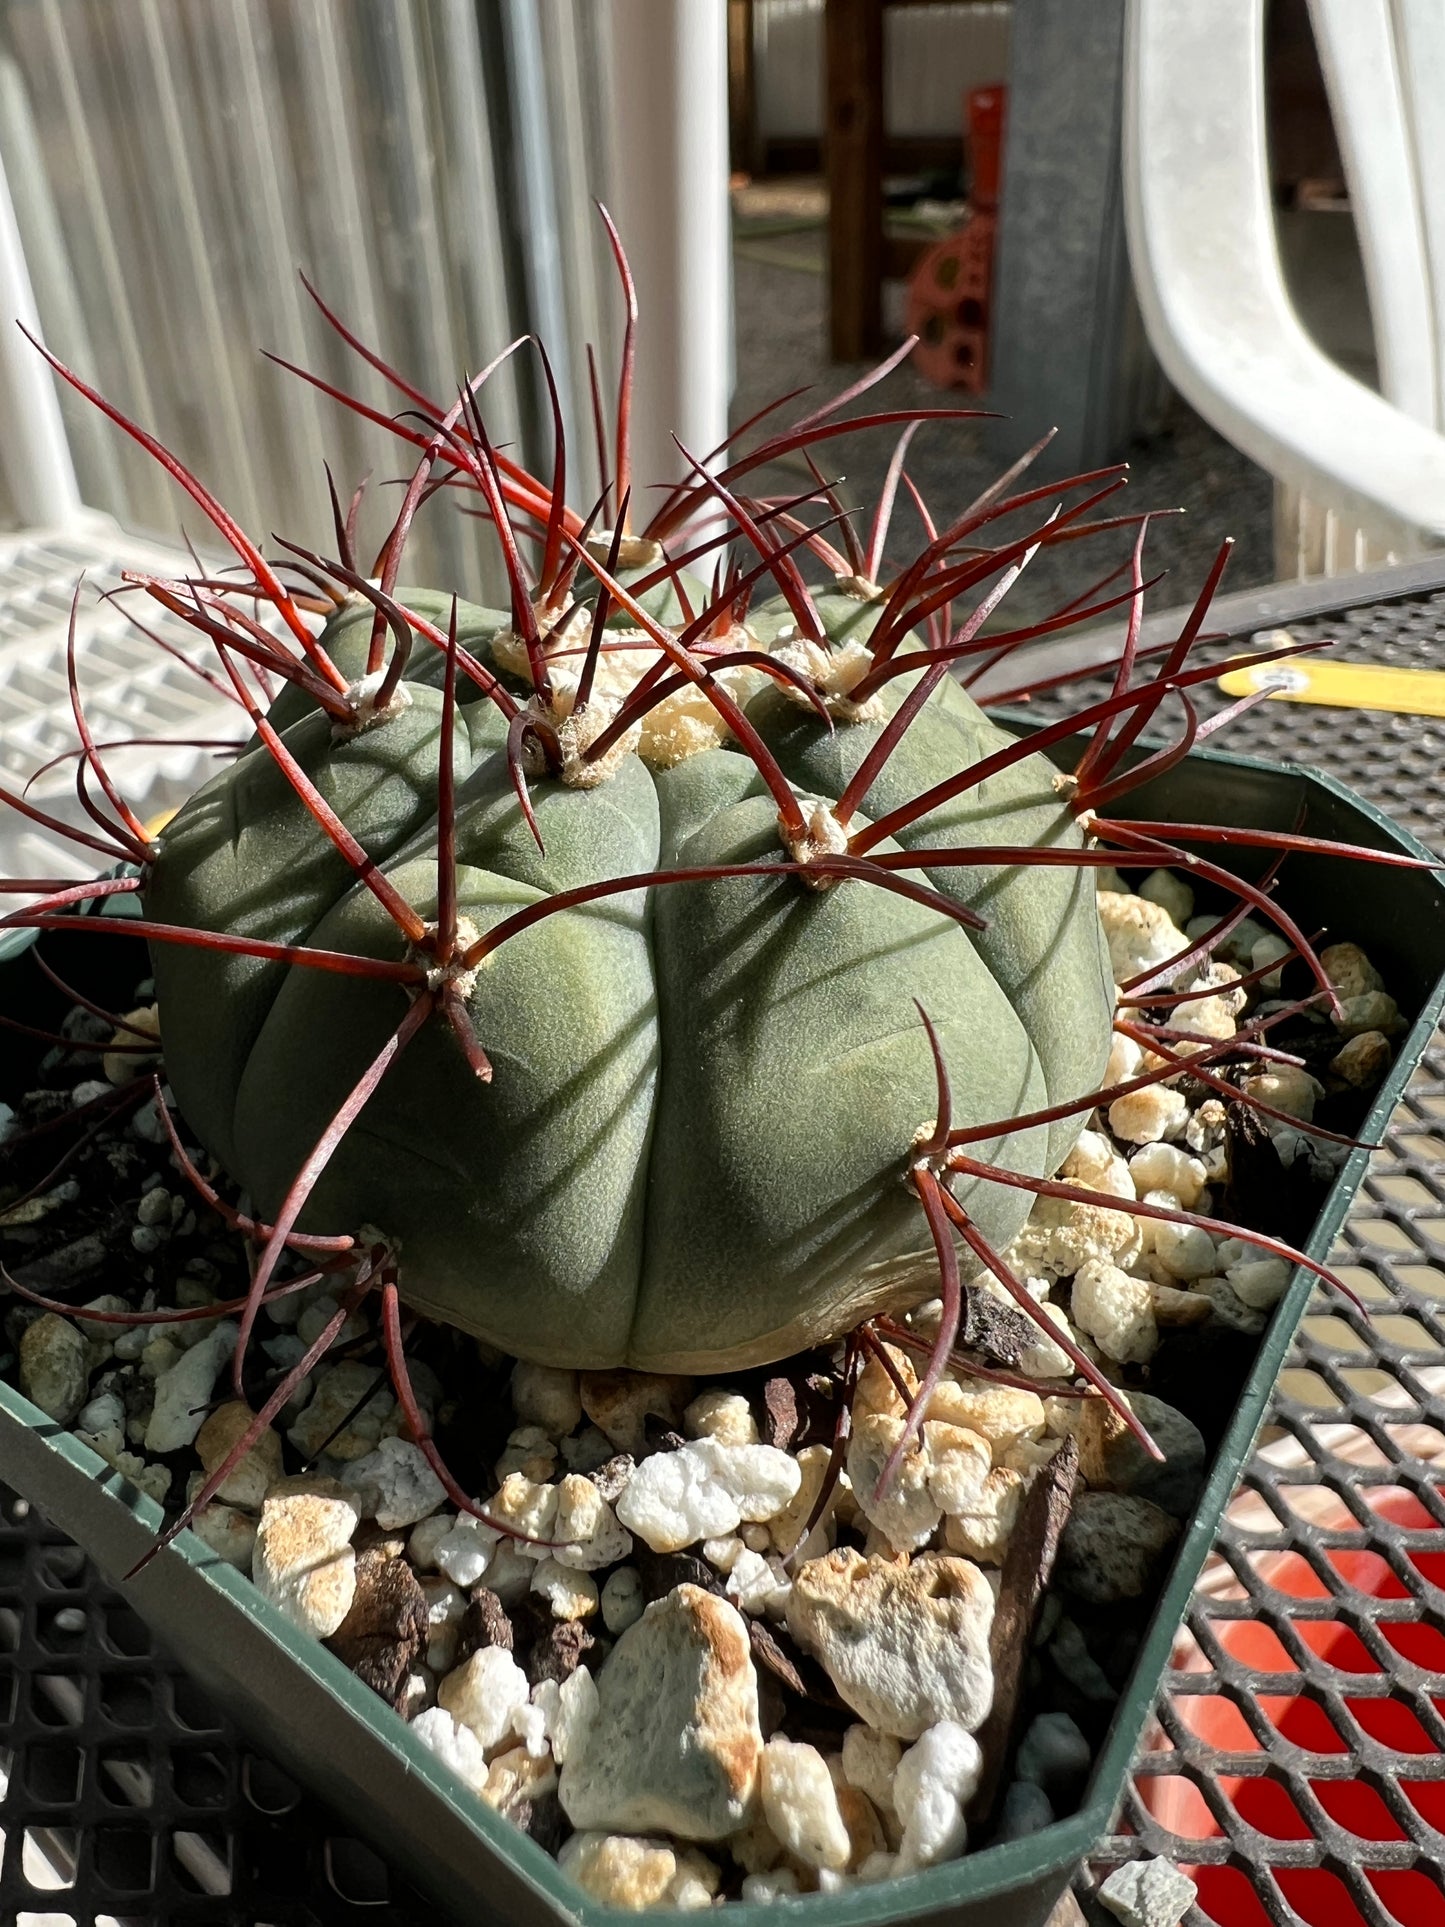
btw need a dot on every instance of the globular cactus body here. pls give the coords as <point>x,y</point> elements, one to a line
<point>672,979</point>
<point>693,1151</point>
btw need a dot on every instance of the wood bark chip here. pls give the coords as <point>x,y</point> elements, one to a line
<point>1027,1567</point>
<point>775,1648</point>
<point>996,1330</point>
<point>486,1622</point>
<point>799,1408</point>
<point>559,1652</point>
<point>386,1628</point>
<point>780,1413</point>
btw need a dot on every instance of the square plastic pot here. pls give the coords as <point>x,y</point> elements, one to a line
<point>304,1708</point>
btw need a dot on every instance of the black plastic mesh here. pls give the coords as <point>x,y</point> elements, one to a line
<point>1297,1763</point>
<point>128,1798</point>
<point>1297,1760</point>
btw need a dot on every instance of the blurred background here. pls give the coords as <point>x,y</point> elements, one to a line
<point>1085,215</point>
<point>173,165</point>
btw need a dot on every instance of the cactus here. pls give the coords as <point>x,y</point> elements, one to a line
<point>658,971</point>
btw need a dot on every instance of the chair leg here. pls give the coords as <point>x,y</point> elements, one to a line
<point>1312,540</point>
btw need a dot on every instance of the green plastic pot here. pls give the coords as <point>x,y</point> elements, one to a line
<point>304,1708</point>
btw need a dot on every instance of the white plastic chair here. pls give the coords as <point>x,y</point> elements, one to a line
<point>1206,265</point>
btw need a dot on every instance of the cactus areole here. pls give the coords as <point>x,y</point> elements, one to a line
<point>692,1150</point>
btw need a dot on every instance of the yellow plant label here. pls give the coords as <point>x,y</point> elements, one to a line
<point>1343,685</point>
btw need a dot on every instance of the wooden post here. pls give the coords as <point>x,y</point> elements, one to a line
<point>742,89</point>
<point>853,136</point>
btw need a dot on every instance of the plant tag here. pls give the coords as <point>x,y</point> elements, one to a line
<point>1341,685</point>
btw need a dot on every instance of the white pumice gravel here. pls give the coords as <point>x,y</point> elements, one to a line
<point>230,1534</point>
<point>446,1607</point>
<point>957,1463</point>
<point>936,1779</point>
<point>1126,1059</point>
<point>800,1804</point>
<point>585,1528</point>
<point>705,1490</point>
<point>529,1723</point>
<point>622,1599</point>
<point>1166,1167</point>
<point>999,1414</point>
<point>395,1483</point>
<point>1116,1311</point>
<point>526,1508</point>
<point>720,1414</point>
<point>785,1527</point>
<point>465,1551</point>
<point>672,1500</point>
<point>570,1594</point>
<point>426,1536</point>
<point>454,1744</point>
<point>482,1694</point>
<point>568,1709</point>
<point>758,1584</point>
<point>1141,935</point>
<point>982,1529</point>
<point>303,1561</point>
<point>1211,1018</point>
<point>870,1760</point>
<point>1095,1162</point>
<point>1157,1111</point>
<point>907,1513</point>
<point>764,1889</point>
<point>1043,1358</point>
<point>635,1874</point>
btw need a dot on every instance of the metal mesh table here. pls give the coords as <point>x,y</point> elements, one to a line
<point>1296,1763</point>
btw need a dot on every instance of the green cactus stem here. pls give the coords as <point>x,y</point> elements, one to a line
<point>654,971</point>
